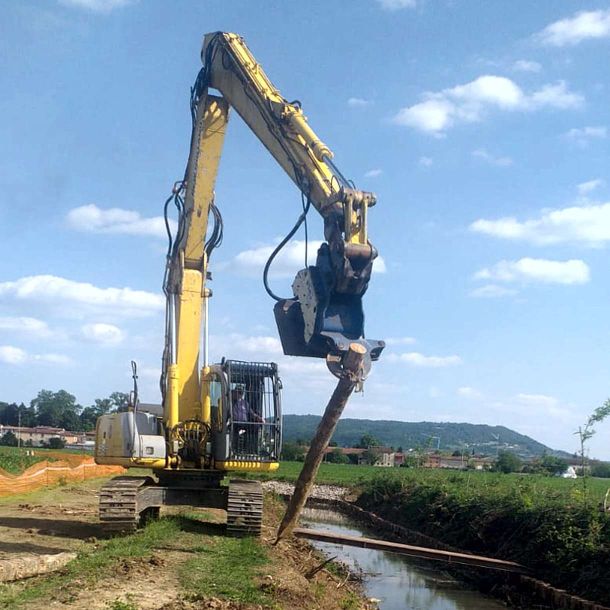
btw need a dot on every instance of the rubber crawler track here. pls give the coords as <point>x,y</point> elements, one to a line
<point>245,508</point>
<point>119,503</point>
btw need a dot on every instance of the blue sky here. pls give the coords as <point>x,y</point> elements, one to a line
<point>483,128</point>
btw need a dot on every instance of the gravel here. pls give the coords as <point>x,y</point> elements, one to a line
<point>324,492</point>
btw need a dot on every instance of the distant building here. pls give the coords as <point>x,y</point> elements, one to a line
<point>41,435</point>
<point>459,462</point>
<point>384,456</point>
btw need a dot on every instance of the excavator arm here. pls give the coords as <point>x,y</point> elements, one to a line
<point>325,314</point>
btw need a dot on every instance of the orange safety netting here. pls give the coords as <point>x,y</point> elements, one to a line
<point>68,468</point>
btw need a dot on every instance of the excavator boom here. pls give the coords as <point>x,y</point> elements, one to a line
<point>325,312</point>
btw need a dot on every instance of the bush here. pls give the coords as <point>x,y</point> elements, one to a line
<point>56,443</point>
<point>336,456</point>
<point>563,540</point>
<point>507,462</point>
<point>8,439</point>
<point>601,470</point>
<point>293,452</point>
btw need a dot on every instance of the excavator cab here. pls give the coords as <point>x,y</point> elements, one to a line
<point>246,414</point>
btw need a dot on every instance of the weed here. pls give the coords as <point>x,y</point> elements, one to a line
<point>350,602</point>
<point>319,590</point>
<point>119,604</point>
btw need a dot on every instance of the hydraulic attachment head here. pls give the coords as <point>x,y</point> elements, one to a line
<point>326,314</point>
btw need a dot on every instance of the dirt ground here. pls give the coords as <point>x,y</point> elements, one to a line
<point>65,519</point>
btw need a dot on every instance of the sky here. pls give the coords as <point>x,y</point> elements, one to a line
<point>483,128</point>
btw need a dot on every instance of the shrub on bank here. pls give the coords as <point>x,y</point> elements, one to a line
<point>565,541</point>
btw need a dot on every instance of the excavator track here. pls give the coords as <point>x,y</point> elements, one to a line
<point>118,509</point>
<point>245,508</point>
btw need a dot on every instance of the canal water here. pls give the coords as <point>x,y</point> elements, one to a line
<point>399,583</point>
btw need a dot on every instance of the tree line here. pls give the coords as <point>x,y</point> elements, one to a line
<point>60,410</point>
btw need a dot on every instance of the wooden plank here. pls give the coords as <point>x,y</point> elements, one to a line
<point>412,551</point>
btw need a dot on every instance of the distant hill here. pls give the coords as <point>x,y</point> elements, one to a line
<point>448,436</point>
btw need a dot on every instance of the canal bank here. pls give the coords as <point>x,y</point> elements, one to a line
<point>521,591</point>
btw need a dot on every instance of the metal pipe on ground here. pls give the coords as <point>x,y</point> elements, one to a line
<point>410,550</point>
<point>351,376</point>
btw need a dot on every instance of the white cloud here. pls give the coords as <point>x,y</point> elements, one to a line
<point>12,355</point>
<point>417,359</point>
<point>492,291</point>
<point>523,65</point>
<point>468,392</point>
<point>472,101</point>
<point>91,219</point>
<point>16,356</point>
<point>104,334</point>
<point>572,30</point>
<point>358,102</point>
<point>582,136</point>
<point>537,400</point>
<point>587,224</point>
<point>400,341</point>
<point>549,405</point>
<point>75,298</point>
<point>24,324</point>
<point>286,264</point>
<point>481,153</point>
<point>97,6</point>
<point>527,270</point>
<point>396,5</point>
<point>52,358</point>
<point>586,187</point>
<point>373,173</point>
<point>425,161</point>
<point>555,96</point>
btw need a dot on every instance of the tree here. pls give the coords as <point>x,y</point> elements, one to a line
<point>51,406</point>
<point>8,439</point>
<point>553,465</point>
<point>336,456</point>
<point>602,470</point>
<point>9,414</point>
<point>371,456</point>
<point>507,462</point>
<point>69,420</point>
<point>292,452</point>
<point>103,405</point>
<point>585,433</point>
<point>368,440</point>
<point>88,418</point>
<point>120,401</point>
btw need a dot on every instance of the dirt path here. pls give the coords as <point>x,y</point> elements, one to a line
<point>185,562</point>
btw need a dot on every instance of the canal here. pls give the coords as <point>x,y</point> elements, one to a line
<point>398,582</point>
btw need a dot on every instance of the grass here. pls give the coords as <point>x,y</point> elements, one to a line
<point>536,487</point>
<point>228,569</point>
<point>549,524</point>
<point>14,460</point>
<point>217,565</point>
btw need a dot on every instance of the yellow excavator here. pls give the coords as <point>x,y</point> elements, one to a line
<point>226,417</point>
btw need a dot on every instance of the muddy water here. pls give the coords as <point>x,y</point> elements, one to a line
<point>398,582</point>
